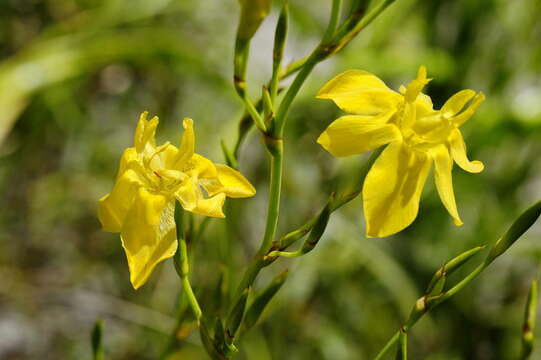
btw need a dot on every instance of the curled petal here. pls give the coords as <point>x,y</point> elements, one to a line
<point>113,207</point>
<point>187,142</point>
<point>145,132</point>
<point>211,207</point>
<point>415,87</point>
<point>169,156</point>
<point>174,175</point>
<point>408,119</point>
<point>458,152</point>
<point>392,189</point>
<point>235,185</point>
<point>128,157</point>
<point>456,102</point>
<point>359,92</point>
<point>201,167</point>
<point>465,115</point>
<point>230,182</point>
<point>188,194</point>
<point>212,186</point>
<point>423,102</point>
<point>355,134</point>
<point>443,166</point>
<point>148,235</point>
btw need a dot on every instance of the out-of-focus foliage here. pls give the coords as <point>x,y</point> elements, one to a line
<point>75,74</point>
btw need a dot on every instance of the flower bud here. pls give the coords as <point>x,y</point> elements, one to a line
<point>253,12</point>
<point>517,229</point>
<point>235,317</point>
<point>261,301</point>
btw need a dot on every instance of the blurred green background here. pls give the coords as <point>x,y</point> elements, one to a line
<point>74,76</point>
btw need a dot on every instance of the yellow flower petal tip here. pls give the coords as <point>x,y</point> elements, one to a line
<point>418,136</point>
<point>187,123</point>
<point>324,140</point>
<point>150,179</point>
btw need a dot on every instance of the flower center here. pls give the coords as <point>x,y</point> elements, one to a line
<point>422,129</point>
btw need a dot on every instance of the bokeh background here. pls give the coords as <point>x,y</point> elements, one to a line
<point>74,76</point>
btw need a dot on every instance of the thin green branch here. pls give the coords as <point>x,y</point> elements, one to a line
<point>343,35</point>
<point>335,16</point>
<point>275,188</point>
<point>402,351</point>
<point>428,302</point>
<point>251,109</point>
<point>280,37</point>
<point>392,341</point>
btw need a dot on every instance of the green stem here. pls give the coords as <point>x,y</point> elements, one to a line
<point>275,147</point>
<point>280,37</point>
<point>335,15</point>
<point>287,254</point>
<point>192,300</point>
<point>460,285</point>
<point>292,68</point>
<point>250,108</point>
<point>183,270</point>
<point>275,188</point>
<point>431,303</point>
<point>392,341</point>
<point>275,134</point>
<point>345,33</point>
<point>182,267</point>
<point>402,353</point>
<point>316,56</point>
<point>292,91</point>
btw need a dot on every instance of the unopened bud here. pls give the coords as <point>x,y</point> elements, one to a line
<point>517,229</point>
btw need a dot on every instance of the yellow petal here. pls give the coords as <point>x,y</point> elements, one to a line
<point>423,105</point>
<point>408,119</point>
<point>201,167</point>
<point>211,207</point>
<point>443,166</point>
<point>355,134</point>
<point>468,113</point>
<point>423,102</point>
<point>212,186</point>
<point>145,242</point>
<point>145,132</point>
<point>128,156</point>
<point>415,87</point>
<point>113,207</point>
<point>169,156</point>
<point>456,102</point>
<point>359,92</point>
<point>393,188</point>
<point>187,142</point>
<point>458,152</point>
<point>175,175</point>
<point>235,185</point>
<point>188,194</point>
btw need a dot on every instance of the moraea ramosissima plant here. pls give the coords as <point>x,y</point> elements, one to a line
<point>149,181</point>
<point>417,134</point>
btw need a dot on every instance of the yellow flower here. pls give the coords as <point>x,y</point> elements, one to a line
<point>150,179</point>
<point>417,136</point>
